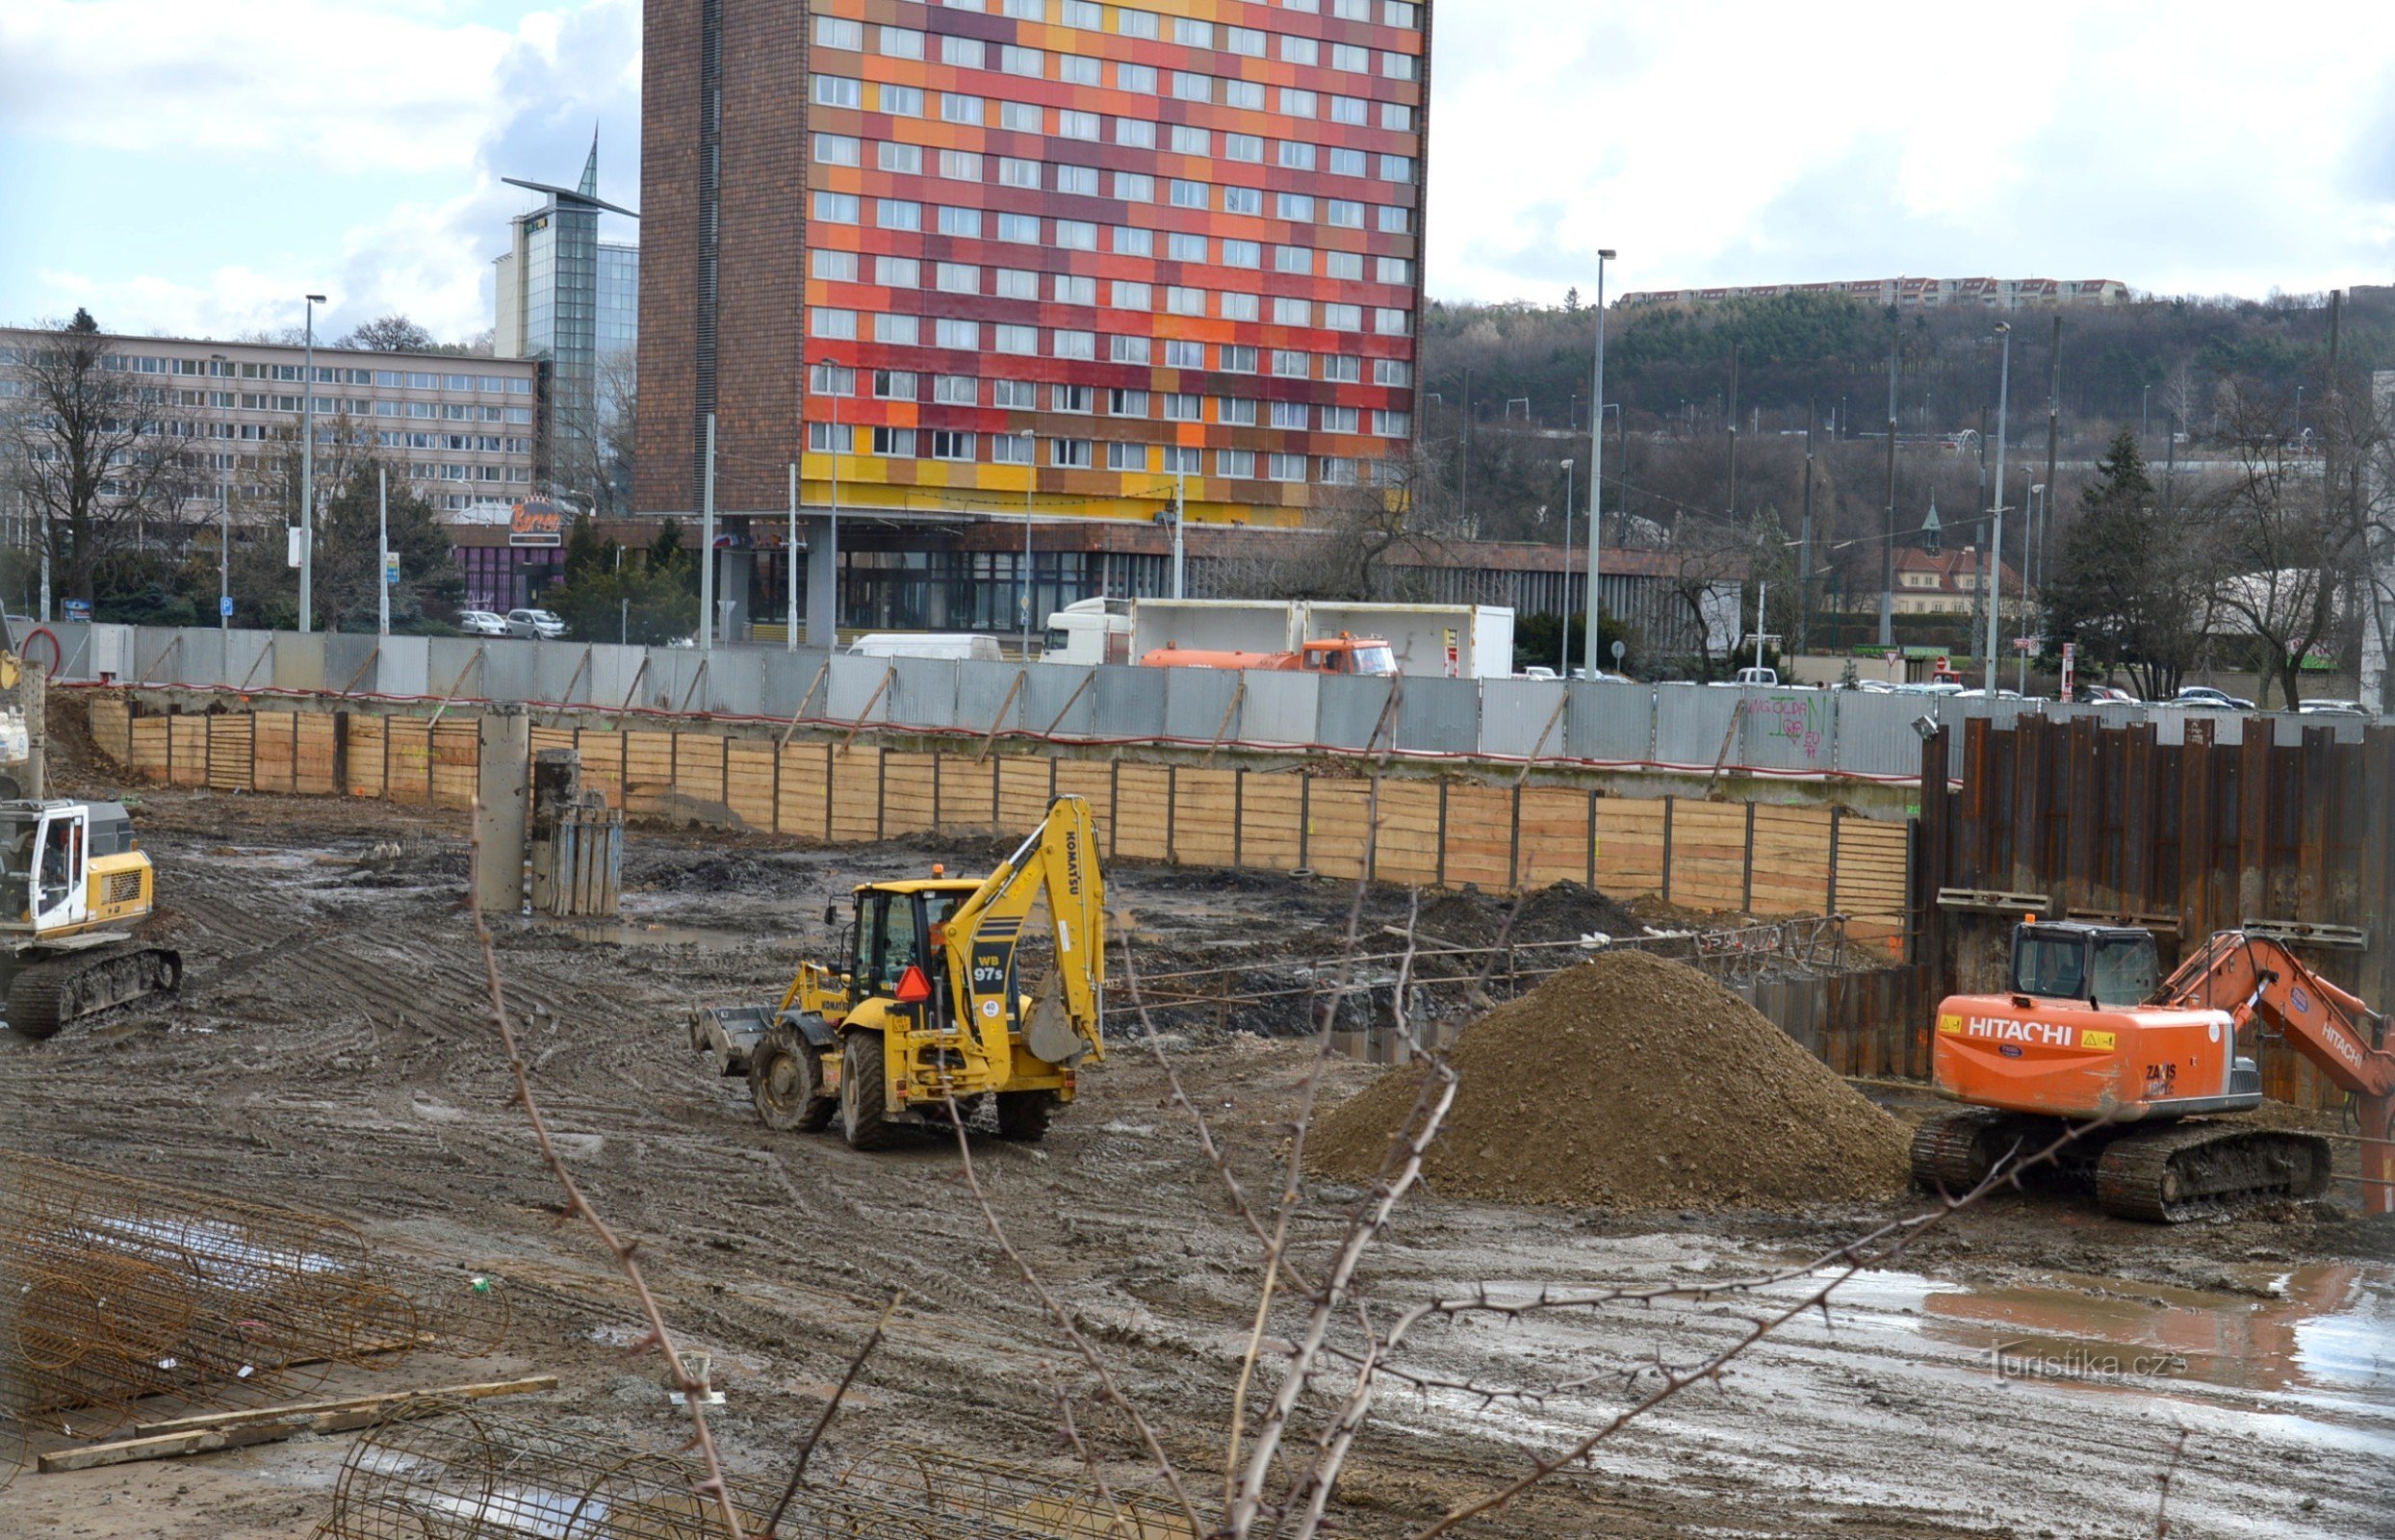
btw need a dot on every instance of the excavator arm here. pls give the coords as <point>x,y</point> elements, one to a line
<point>1058,860</point>
<point>2259,979</point>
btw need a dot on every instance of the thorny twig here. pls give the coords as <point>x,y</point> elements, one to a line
<point>814,1434</point>
<point>2162,1503</point>
<point>578,1207</point>
<point>1057,1313</point>
<point>1125,1524</point>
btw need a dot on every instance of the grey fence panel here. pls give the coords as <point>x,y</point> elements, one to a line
<point>1440,716</point>
<point>1519,718</point>
<point>923,693</point>
<point>1280,707</point>
<point>1610,722</point>
<point>85,652</point>
<point>197,655</point>
<point>1197,700</point>
<point>346,658</point>
<point>672,678</point>
<point>559,670</point>
<point>2226,726</point>
<point>1351,711</point>
<point>1691,723</point>
<point>155,659</point>
<point>1875,732</point>
<point>788,678</point>
<point>852,684</point>
<point>983,689</point>
<point>1060,698</point>
<point>608,679</point>
<point>1789,730</point>
<point>246,657</point>
<point>403,666</point>
<point>736,686</point>
<point>453,664</point>
<point>1130,704</point>
<point>299,663</point>
<point>507,671</point>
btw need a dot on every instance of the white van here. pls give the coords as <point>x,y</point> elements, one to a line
<point>928,643</point>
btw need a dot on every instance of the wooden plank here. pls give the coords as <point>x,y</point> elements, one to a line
<point>481,1390</point>
<point>698,771</point>
<point>271,735</point>
<point>1268,820</point>
<point>648,772</point>
<point>406,759</point>
<point>146,740</point>
<point>1555,836</point>
<point>1480,837</point>
<point>1089,780</point>
<point>907,794</point>
<point>603,764</point>
<point>968,792</point>
<point>231,741</point>
<point>1206,809</point>
<point>271,1424</point>
<point>1338,833</point>
<point>856,796</point>
<point>457,750</point>
<point>187,751</point>
<point>1022,792</point>
<point>1143,812</point>
<point>367,752</point>
<point>748,782</point>
<point>1406,835</point>
<point>801,806</point>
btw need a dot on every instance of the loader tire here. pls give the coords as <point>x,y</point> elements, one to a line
<point>1023,1115</point>
<point>865,1094</point>
<point>785,1083</point>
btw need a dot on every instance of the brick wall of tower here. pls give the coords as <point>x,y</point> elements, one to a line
<point>761,314</point>
<point>669,254</point>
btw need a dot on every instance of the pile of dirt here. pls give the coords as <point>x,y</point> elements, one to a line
<point>1564,912</point>
<point>1630,1081</point>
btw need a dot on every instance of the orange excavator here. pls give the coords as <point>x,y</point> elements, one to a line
<point>2085,1036</point>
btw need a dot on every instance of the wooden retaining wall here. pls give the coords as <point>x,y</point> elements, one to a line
<point>1449,832</point>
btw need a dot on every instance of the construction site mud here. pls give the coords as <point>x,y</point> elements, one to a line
<point>2031,1370</point>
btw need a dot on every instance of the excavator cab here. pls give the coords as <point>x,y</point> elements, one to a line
<point>2099,966</point>
<point>44,852</point>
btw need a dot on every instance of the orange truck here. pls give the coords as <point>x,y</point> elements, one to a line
<point>1341,654</point>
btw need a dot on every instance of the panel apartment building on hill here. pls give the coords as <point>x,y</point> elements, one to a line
<point>1029,254</point>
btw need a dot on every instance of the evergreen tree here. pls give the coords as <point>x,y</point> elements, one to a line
<point>2129,586</point>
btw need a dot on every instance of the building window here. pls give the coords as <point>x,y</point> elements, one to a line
<point>1014,171</point>
<point>1021,228</point>
<point>1079,399</point>
<point>895,442</point>
<point>1288,467</point>
<point>1187,194</point>
<point>1087,14</point>
<point>897,214</point>
<point>1081,180</point>
<point>905,159</point>
<point>836,208</point>
<point>960,221</point>
<point>1127,350</point>
<point>838,91</point>
<point>1019,340</point>
<point>1020,117</point>
<point>1397,168</point>
<point>965,53</point>
<point>1072,289</point>
<point>1397,116</point>
<point>951,446</point>
<point>1138,78</point>
<point>903,331</point>
<point>1010,448</point>
<point>963,336</point>
<point>1290,416</point>
<point>1184,248</point>
<point>1017,395</point>
<point>956,390</point>
<point>1178,461</point>
<point>1072,454</point>
<point>1178,354</point>
<point>1338,471</point>
<point>1126,457</point>
<point>1297,103</point>
<point>1180,407</point>
<point>1236,411</point>
<point>1296,156</point>
<point>1396,221</point>
<point>1025,10</point>
<point>1136,131</point>
<point>1191,34</point>
<point>837,150</point>
<point>1127,296</point>
<point>1244,200</point>
<point>1288,363</point>
<point>893,385</point>
<point>1245,94</point>
<point>1352,59</point>
<point>1130,242</point>
<point>1287,312</point>
<point>831,438</point>
<point>958,278</point>
<point>959,165</point>
<point>838,324</point>
<point>1295,50</point>
<point>1076,344</point>
<point>1076,70</point>
<point>898,272</point>
<point>1389,321</point>
<point>902,101</point>
<point>1394,372</point>
<point>1136,23</point>
<point>1392,424</point>
<point>1126,403</point>
<point>1348,265</point>
<point>1191,86</point>
<point>1134,187</point>
<point>1245,41</point>
<point>1239,307</point>
<point>902,42</point>
<point>1242,254</point>
<point>1348,162</point>
<point>1394,271</point>
<point>959,109</point>
<point>1076,234</point>
<point>1344,214</point>
<point>1295,207</point>
<point>1029,62</point>
<point>1398,66</point>
<point>1247,147</point>
<point>1348,110</point>
<point>1187,141</point>
<point>1018,283</point>
<point>1236,359</point>
<point>1078,125</point>
<point>826,263</point>
<point>1237,464</point>
<point>1342,419</point>
<point>1182,302</point>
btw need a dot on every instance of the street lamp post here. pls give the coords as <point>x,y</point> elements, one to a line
<point>307,478</point>
<point>224,505</point>
<point>1563,609</point>
<point>1596,474</point>
<point>1995,539</point>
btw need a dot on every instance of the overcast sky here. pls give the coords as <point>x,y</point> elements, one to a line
<point>193,167</point>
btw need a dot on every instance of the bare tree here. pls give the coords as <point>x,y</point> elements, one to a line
<point>2281,540</point>
<point>83,445</point>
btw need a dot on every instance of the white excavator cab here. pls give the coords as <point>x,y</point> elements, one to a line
<point>44,855</point>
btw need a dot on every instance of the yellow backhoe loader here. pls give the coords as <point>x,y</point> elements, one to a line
<point>72,879</point>
<point>924,1004</point>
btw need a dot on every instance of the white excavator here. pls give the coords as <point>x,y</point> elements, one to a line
<point>74,881</point>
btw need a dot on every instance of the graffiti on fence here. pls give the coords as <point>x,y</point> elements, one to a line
<point>1803,719</point>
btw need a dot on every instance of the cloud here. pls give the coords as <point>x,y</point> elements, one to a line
<point>419,100</point>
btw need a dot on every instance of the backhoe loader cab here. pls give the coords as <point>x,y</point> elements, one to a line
<point>2100,965</point>
<point>924,1004</point>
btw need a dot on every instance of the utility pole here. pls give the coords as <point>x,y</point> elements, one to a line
<point>1733,421</point>
<point>224,502</point>
<point>1596,484</point>
<point>383,551</point>
<point>307,479</point>
<point>1026,600</point>
<point>1804,583</point>
<point>1464,459</point>
<point>1180,512</point>
<point>1563,605</point>
<point>2053,439</point>
<point>1995,541</point>
<point>1888,543</point>
<point>707,545</point>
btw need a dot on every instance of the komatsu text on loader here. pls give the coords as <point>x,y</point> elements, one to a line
<point>2087,1038</point>
<point>71,881</point>
<point>923,1004</point>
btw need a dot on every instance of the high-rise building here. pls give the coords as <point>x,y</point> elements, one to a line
<point>1034,255</point>
<point>571,301</point>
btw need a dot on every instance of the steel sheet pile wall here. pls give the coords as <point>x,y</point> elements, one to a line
<point>1445,833</point>
<point>2112,823</point>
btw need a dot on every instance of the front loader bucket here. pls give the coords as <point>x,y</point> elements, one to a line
<point>728,1032</point>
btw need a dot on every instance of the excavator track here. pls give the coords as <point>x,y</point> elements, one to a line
<point>1954,1152</point>
<point>2202,1169</point>
<point>44,996</point>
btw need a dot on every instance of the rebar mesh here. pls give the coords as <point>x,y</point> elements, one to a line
<point>115,1290</point>
<point>457,1474</point>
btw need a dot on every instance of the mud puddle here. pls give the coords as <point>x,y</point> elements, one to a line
<point>2315,1341</point>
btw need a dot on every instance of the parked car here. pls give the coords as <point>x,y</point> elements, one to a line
<point>2333,708</point>
<point>2204,698</point>
<point>1534,672</point>
<point>481,623</point>
<point>2104,694</point>
<point>534,626</point>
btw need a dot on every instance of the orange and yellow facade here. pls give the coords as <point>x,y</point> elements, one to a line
<point>1081,256</point>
